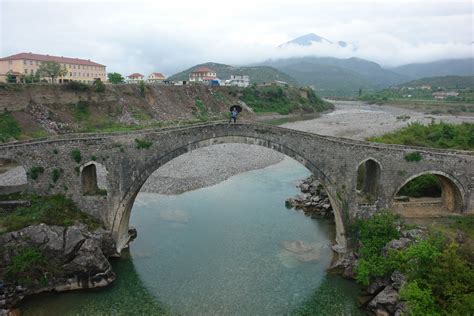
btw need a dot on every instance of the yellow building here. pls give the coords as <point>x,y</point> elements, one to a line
<point>28,63</point>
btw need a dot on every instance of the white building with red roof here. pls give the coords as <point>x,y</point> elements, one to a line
<point>202,74</point>
<point>135,78</point>
<point>25,64</point>
<point>156,77</point>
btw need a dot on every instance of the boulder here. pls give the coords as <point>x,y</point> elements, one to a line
<point>397,244</point>
<point>386,300</point>
<point>377,285</point>
<point>413,234</point>
<point>398,279</point>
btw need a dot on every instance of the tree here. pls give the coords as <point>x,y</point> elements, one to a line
<point>115,78</point>
<point>10,78</point>
<point>51,69</point>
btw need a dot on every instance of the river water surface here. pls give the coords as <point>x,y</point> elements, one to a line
<point>219,250</point>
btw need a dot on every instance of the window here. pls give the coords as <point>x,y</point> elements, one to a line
<point>26,71</point>
<point>70,74</point>
<point>31,72</point>
<point>74,66</point>
<point>24,62</point>
<point>31,62</point>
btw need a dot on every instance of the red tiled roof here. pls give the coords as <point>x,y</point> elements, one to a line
<point>62,60</point>
<point>135,75</point>
<point>203,69</point>
<point>158,74</point>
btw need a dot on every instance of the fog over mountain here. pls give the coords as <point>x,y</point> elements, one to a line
<point>148,36</point>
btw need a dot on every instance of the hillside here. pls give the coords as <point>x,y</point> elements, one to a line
<point>455,67</point>
<point>446,82</point>
<point>333,76</point>
<point>257,74</point>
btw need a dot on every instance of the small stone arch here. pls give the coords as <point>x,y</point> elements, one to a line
<point>93,178</point>
<point>13,176</point>
<point>451,199</point>
<point>368,180</point>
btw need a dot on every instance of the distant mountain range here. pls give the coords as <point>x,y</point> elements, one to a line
<point>448,82</point>
<point>257,74</point>
<point>309,39</point>
<point>446,67</point>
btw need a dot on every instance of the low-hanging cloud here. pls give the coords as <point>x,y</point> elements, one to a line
<point>143,36</point>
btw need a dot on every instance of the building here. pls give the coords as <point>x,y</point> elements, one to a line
<point>23,64</point>
<point>452,94</point>
<point>425,87</point>
<point>238,80</point>
<point>156,77</point>
<point>202,74</point>
<point>135,78</point>
<point>276,83</point>
<point>440,95</point>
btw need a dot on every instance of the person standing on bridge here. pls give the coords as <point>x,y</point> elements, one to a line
<point>234,111</point>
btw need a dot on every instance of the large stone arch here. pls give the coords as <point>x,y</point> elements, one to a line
<point>452,191</point>
<point>121,216</point>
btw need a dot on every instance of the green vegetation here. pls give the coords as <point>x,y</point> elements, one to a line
<point>115,78</point>
<point>143,143</point>
<point>413,157</point>
<point>35,171</point>
<point>202,111</point>
<point>76,155</point>
<point>283,100</point>
<point>424,185</point>
<point>372,235</point>
<point>28,265</point>
<point>51,69</point>
<point>56,174</point>
<point>9,128</point>
<point>76,86</point>
<point>142,87</point>
<point>81,111</point>
<point>99,86</point>
<point>437,135</point>
<point>439,272</point>
<point>51,210</point>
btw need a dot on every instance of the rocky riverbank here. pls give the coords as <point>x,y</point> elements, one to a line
<point>42,258</point>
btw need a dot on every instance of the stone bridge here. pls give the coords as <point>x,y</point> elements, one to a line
<point>68,165</point>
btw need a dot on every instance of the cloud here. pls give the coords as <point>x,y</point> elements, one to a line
<point>169,36</point>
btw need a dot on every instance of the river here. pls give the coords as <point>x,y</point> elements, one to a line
<point>222,249</point>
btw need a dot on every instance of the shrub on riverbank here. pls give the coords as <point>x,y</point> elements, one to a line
<point>283,100</point>
<point>436,135</point>
<point>51,210</point>
<point>439,274</point>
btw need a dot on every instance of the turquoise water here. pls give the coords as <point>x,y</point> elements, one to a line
<point>219,250</point>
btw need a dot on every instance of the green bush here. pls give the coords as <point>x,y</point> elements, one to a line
<point>373,233</point>
<point>414,156</point>
<point>81,111</point>
<point>56,174</point>
<point>35,171</point>
<point>437,135</point>
<point>420,301</point>
<point>28,265</point>
<point>142,87</point>
<point>142,143</point>
<point>202,111</point>
<point>99,86</point>
<point>76,155</point>
<point>9,127</point>
<point>76,86</point>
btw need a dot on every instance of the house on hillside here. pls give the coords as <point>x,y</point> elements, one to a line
<point>238,81</point>
<point>425,87</point>
<point>156,77</point>
<point>452,94</point>
<point>276,83</point>
<point>440,95</point>
<point>202,74</point>
<point>135,78</point>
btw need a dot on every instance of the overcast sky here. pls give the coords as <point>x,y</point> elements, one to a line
<point>170,36</point>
